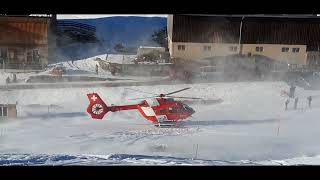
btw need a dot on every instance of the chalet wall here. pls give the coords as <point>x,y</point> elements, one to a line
<point>23,42</point>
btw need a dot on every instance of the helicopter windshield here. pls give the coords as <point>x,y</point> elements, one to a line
<point>188,109</point>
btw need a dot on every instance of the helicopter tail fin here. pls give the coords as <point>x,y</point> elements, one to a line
<point>97,107</point>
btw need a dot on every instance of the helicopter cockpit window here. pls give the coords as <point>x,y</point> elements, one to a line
<point>170,99</point>
<point>173,110</point>
<point>187,108</point>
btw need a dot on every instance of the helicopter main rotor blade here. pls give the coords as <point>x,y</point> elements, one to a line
<point>144,97</point>
<point>184,97</point>
<point>178,91</point>
<point>140,91</point>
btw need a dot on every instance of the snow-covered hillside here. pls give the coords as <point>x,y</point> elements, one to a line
<point>81,67</point>
<point>131,31</point>
<point>249,126</point>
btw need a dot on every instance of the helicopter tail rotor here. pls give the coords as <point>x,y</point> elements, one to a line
<point>97,107</point>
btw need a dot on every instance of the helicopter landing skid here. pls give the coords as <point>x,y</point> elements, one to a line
<point>165,124</point>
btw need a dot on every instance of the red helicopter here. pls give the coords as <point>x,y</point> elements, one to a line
<point>158,109</point>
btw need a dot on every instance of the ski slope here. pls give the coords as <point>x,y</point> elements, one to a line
<point>250,125</point>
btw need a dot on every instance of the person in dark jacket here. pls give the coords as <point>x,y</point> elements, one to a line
<point>286,103</point>
<point>14,78</point>
<point>296,102</point>
<point>292,91</point>
<point>309,101</point>
<point>8,80</point>
<point>97,68</point>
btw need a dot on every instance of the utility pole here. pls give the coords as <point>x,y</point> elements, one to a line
<point>3,65</point>
<point>196,152</point>
<point>240,45</point>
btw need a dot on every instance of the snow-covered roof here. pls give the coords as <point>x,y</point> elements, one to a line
<point>95,16</point>
<point>150,47</point>
<point>7,101</point>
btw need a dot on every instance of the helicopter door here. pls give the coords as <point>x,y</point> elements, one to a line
<point>148,111</point>
<point>152,102</point>
<point>162,118</point>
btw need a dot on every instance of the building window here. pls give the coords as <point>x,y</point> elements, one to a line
<point>36,56</point>
<point>259,49</point>
<point>285,49</point>
<point>16,54</point>
<point>207,48</point>
<point>29,57</point>
<point>295,50</point>
<point>19,54</point>
<point>181,47</point>
<point>3,111</point>
<point>3,53</point>
<point>233,48</point>
<point>11,53</point>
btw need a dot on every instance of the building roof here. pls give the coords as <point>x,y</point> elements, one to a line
<point>258,15</point>
<point>205,29</point>
<point>300,30</point>
<point>289,32</point>
<point>151,47</point>
<point>8,100</point>
<point>48,16</point>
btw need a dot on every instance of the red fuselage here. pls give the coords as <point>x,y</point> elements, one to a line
<point>159,108</point>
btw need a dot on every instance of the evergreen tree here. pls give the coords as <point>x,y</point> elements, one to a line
<point>119,47</point>
<point>161,37</point>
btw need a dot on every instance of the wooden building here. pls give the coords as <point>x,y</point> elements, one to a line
<point>287,39</point>
<point>23,42</point>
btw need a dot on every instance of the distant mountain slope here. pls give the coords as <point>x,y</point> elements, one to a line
<point>132,31</point>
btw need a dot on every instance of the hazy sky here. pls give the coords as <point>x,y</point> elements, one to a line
<point>91,16</point>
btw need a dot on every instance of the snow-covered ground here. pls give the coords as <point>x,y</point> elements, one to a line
<point>250,126</point>
<point>88,66</point>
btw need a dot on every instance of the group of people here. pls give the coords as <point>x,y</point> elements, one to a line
<point>296,100</point>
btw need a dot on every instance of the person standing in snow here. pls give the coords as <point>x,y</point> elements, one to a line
<point>296,102</point>
<point>14,78</point>
<point>292,90</point>
<point>7,80</point>
<point>97,68</point>
<point>286,104</point>
<point>309,101</point>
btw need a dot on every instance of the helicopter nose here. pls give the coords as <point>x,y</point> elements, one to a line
<point>192,111</point>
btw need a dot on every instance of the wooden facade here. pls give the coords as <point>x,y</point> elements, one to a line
<point>23,42</point>
<point>197,31</point>
<point>292,31</point>
<point>255,30</point>
<point>205,29</point>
